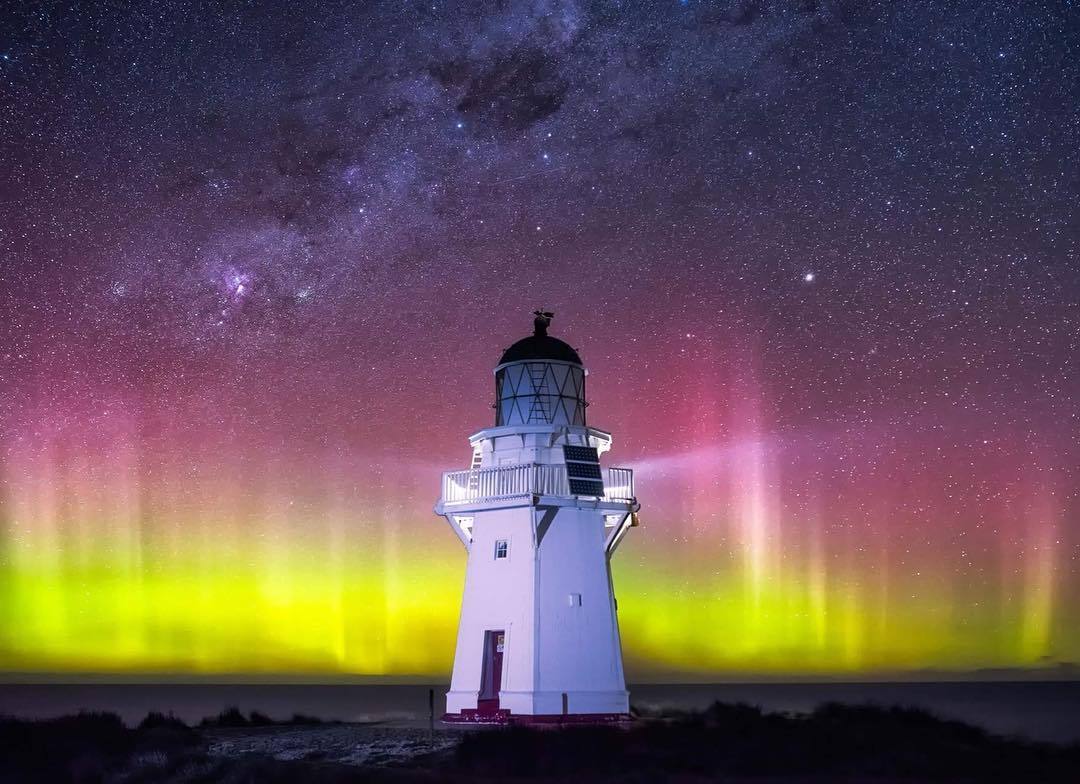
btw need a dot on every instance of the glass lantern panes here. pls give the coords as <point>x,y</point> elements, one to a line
<point>540,393</point>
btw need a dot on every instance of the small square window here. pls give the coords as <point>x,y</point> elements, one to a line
<point>502,548</point>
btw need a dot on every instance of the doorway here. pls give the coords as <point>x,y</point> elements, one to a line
<point>491,672</point>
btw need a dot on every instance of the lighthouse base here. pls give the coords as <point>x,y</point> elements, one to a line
<point>505,718</point>
<point>538,707</point>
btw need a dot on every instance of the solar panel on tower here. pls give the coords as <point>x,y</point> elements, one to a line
<point>583,470</point>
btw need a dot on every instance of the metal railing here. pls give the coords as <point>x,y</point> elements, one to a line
<point>619,484</point>
<point>493,484</point>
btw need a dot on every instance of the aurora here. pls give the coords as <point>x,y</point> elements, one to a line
<point>257,266</point>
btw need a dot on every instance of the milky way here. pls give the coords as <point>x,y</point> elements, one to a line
<point>820,259</point>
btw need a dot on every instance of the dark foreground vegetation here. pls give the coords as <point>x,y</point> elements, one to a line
<point>734,743</point>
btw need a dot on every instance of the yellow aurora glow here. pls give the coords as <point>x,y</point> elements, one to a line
<point>310,597</point>
<point>110,566</point>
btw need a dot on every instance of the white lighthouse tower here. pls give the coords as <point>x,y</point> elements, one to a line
<point>539,636</point>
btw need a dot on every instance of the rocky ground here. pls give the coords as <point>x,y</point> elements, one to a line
<point>730,743</point>
<point>346,744</point>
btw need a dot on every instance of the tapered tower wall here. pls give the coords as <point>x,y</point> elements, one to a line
<point>499,595</point>
<point>577,641</point>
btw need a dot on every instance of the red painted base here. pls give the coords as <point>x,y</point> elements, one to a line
<point>504,717</point>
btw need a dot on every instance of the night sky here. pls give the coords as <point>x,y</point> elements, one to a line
<point>821,260</point>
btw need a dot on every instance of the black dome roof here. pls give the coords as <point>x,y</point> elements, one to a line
<point>540,345</point>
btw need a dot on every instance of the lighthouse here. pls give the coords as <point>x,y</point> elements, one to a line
<point>540,519</point>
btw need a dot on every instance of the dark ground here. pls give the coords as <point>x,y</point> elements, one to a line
<point>732,743</point>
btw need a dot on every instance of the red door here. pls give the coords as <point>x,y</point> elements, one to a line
<point>491,677</point>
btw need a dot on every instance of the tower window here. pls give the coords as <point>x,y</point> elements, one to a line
<point>502,549</point>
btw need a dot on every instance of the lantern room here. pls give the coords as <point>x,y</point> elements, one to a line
<point>540,380</point>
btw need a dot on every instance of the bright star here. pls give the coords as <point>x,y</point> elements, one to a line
<point>808,277</point>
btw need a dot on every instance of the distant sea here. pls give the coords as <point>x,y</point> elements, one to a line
<point>1041,710</point>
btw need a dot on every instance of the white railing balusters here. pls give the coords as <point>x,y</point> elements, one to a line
<point>619,483</point>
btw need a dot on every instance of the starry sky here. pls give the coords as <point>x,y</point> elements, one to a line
<point>257,264</point>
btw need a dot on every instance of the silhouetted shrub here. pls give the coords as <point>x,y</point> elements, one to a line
<point>858,742</point>
<point>156,720</point>
<point>165,735</point>
<point>256,719</point>
<point>230,717</point>
<point>79,748</point>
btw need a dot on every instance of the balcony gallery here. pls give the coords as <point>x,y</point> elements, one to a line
<point>505,483</point>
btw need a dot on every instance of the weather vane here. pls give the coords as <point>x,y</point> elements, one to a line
<point>541,322</point>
